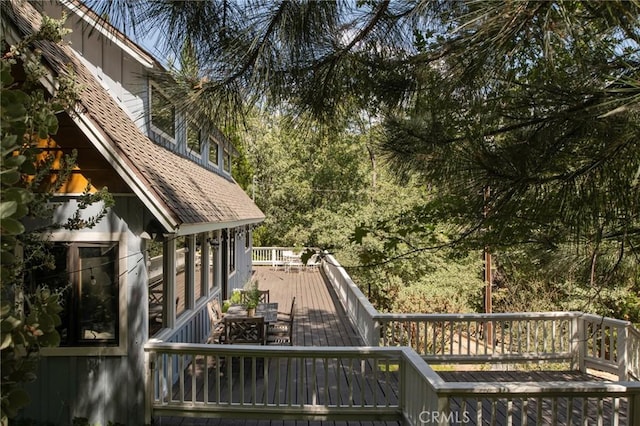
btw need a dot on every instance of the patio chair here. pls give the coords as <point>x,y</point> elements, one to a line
<point>286,316</point>
<point>281,332</point>
<point>245,330</point>
<point>215,317</point>
<point>264,296</point>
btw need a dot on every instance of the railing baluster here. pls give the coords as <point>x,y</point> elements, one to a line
<point>314,381</point>
<point>205,377</point>
<point>325,362</point>
<point>193,379</point>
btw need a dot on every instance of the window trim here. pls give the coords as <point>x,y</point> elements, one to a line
<point>226,165</point>
<point>213,142</point>
<point>191,124</point>
<point>153,86</point>
<point>102,237</point>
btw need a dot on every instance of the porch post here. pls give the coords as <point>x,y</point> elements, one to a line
<point>169,280</point>
<point>205,265</point>
<point>190,272</point>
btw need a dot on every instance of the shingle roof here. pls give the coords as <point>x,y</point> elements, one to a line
<point>191,193</point>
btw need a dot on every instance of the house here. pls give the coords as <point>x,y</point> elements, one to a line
<point>178,235</point>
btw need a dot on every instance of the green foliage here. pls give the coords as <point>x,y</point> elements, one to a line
<point>521,118</point>
<point>251,296</point>
<point>29,318</point>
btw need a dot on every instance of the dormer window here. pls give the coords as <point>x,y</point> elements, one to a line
<point>193,139</point>
<point>213,152</point>
<point>163,114</point>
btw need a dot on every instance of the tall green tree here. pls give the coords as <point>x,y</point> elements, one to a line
<point>522,115</point>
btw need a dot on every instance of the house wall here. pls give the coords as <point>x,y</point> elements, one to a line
<point>101,383</point>
<point>121,74</point>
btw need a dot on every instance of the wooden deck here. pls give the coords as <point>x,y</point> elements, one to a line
<point>321,321</point>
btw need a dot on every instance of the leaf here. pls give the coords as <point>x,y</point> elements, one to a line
<point>7,339</point>
<point>18,399</point>
<point>10,177</point>
<point>7,208</point>
<point>11,226</point>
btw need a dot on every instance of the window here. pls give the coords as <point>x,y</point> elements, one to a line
<point>247,237</point>
<point>213,152</point>
<point>232,250</point>
<point>226,165</point>
<point>180,280</point>
<point>193,139</point>
<point>87,276</point>
<point>163,113</point>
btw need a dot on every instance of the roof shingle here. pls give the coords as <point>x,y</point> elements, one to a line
<point>193,194</point>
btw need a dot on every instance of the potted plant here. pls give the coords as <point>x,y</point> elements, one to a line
<point>251,298</point>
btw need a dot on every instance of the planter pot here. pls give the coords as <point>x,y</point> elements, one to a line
<point>251,311</point>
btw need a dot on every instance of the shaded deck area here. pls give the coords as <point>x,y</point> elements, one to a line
<point>320,321</point>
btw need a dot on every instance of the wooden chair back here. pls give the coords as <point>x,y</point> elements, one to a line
<point>248,330</point>
<point>264,296</point>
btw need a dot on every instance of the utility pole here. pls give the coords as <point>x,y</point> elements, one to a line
<point>488,278</point>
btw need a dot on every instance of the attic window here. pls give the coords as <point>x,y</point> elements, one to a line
<point>193,138</point>
<point>226,165</point>
<point>163,113</point>
<point>213,152</point>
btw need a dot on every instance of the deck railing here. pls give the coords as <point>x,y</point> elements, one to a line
<point>270,256</point>
<point>361,383</point>
<point>389,379</point>
<point>583,340</point>
<point>284,382</point>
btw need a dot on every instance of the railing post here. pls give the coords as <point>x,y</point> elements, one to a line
<point>621,349</point>
<point>149,388</point>
<point>375,333</point>
<point>578,343</point>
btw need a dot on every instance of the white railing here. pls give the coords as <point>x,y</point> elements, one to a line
<point>281,382</point>
<point>611,345</point>
<point>154,269</point>
<point>584,340</point>
<point>455,338</point>
<point>355,303</point>
<point>361,383</point>
<point>269,256</point>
